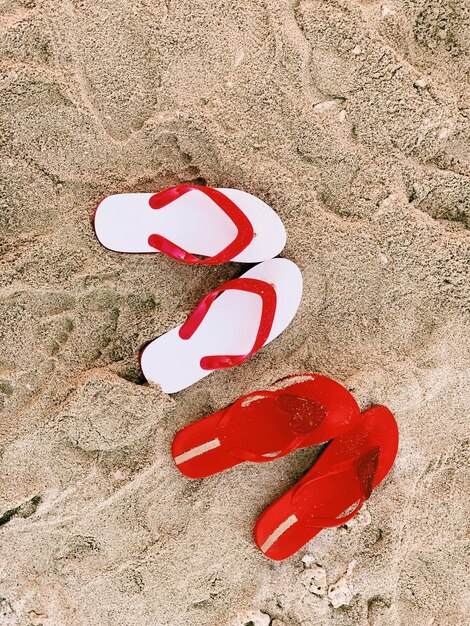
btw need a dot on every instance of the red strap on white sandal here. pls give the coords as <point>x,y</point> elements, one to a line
<point>251,285</point>
<point>244,236</point>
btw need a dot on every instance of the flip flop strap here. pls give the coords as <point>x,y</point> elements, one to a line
<point>243,238</point>
<point>365,469</point>
<point>246,455</point>
<point>241,403</point>
<point>306,415</point>
<point>332,522</point>
<point>251,285</point>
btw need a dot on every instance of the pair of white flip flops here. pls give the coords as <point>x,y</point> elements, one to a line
<point>238,318</point>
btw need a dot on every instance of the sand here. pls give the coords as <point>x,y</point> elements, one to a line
<point>352,120</point>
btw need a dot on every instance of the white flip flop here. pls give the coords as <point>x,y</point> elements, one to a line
<point>237,319</point>
<point>219,224</point>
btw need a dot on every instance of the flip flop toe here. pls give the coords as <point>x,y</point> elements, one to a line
<point>342,479</point>
<point>188,220</point>
<point>227,327</point>
<point>297,412</point>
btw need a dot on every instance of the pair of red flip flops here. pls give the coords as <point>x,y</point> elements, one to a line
<point>297,412</point>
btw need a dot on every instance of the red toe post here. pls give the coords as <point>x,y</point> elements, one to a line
<point>251,285</point>
<point>244,236</point>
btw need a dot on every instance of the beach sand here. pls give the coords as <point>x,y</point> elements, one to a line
<point>352,120</point>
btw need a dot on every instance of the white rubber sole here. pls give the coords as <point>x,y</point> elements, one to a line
<point>124,222</point>
<point>229,328</point>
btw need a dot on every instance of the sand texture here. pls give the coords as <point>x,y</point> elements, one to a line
<point>351,118</point>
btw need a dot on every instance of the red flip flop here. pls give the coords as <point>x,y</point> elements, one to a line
<point>345,475</point>
<point>297,412</point>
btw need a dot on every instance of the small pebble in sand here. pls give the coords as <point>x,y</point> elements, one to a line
<point>384,260</point>
<point>387,11</point>
<point>119,475</point>
<point>239,59</point>
<point>326,105</point>
<point>308,560</point>
<point>421,83</point>
<point>357,50</point>
<point>341,592</point>
<point>445,132</point>
<point>342,115</point>
<point>314,579</point>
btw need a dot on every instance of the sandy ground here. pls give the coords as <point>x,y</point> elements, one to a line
<point>352,119</point>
